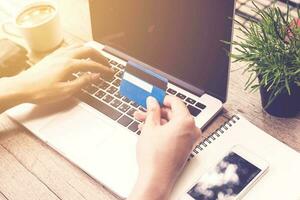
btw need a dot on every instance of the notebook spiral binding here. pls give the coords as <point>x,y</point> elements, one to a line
<point>216,134</point>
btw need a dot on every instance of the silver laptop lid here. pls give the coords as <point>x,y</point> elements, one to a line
<point>181,39</point>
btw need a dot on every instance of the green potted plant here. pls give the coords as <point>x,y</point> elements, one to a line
<point>271,49</point>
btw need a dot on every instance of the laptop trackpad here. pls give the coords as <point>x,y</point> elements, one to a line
<point>114,164</point>
<point>77,132</point>
<point>97,145</point>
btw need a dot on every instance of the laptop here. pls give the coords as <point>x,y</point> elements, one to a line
<point>180,40</point>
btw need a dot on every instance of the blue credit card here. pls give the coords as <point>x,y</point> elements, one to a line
<point>139,83</point>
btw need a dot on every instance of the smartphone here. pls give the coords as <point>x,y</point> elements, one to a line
<point>230,179</point>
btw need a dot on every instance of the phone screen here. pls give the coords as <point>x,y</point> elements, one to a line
<point>226,180</point>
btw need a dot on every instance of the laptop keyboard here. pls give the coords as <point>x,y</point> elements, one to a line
<point>105,97</point>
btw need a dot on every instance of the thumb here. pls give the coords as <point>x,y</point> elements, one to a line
<point>153,112</point>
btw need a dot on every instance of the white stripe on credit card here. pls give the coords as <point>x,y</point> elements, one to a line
<point>138,82</point>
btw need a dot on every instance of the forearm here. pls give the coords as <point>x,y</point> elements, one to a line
<point>11,94</point>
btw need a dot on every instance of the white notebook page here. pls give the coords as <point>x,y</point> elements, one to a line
<point>281,182</point>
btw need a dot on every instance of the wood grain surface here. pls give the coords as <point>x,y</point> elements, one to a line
<point>2,197</point>
<point>29,169</point>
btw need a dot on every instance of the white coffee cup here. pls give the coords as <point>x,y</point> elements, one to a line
<point>39,24</point>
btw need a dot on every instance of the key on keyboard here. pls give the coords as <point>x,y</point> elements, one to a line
<point>100,106</point>
<point>194,111</point>
<point>190,100</point>
<point>134,104</point>
<point>113,62</point>
<point>124,107</point>
<point>91,89</point>
<point>100,94</point>
<point>121,66</point>
<point>117,82</point>
<point>120,74</point>
<point>110,80</point>
<point>116,70</point>
<point>131,112</point>
<point>171,91</point>
<point>142,109</point>
<point>111,90</point>
<point>118,95</point>
<point>134,126</point>
<point>200,105</point>
<point>181,96</point>
<point>108,98</point>
<point>125,99</point>
<point>103,85</point>
<point>125,121</point>
<point>116,103</point>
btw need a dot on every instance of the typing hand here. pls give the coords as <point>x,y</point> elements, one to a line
<point>167,139</point>
<point>47,81</point>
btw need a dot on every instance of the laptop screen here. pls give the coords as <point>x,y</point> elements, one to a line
<point>179,37</point>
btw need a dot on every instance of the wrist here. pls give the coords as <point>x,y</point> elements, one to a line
<point>150,186</point>
<point>13,91</point>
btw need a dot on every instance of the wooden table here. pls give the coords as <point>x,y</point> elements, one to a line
<point>30,170</point>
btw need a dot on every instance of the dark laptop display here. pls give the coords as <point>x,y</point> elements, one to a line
<point>179,37</point>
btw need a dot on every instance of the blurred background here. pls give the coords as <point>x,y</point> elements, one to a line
<point>82,31</point>
<point>7,8</point>
<point>244,8</point>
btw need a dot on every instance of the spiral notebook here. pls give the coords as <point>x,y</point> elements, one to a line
<point>281,182</point>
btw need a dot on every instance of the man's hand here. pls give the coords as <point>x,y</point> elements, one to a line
<point>167,139</point>
<point>47,81</point>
